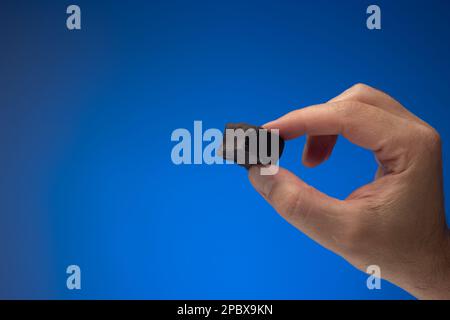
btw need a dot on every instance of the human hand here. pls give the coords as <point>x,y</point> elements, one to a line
<point>396,222</point>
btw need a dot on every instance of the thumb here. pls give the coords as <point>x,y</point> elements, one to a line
<point>311,211</point>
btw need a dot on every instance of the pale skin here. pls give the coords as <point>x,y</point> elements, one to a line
<point>396,222</point>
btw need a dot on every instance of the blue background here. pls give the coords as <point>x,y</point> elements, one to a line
<point>85,124</point>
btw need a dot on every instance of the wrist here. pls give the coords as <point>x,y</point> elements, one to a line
<point>429,277</point>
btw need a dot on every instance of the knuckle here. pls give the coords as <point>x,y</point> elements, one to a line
<point>434,136</point>
<point>284,200</point>
<point>349,108</point>
<point>360,88</point>
<point>430,137</point>
<point>294,207</point>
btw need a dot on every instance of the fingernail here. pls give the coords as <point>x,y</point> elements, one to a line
<point>262,183</point>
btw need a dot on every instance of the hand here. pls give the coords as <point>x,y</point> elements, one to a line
<point>396,222</point>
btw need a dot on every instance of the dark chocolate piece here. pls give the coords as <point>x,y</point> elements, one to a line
<point>249,145</point>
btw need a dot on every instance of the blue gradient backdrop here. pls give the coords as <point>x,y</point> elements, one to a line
<point>85,124</point>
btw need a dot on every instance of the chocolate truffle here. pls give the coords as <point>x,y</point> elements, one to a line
<point>249,145</point>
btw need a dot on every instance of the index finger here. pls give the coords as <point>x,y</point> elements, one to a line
<point>362,124</point>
